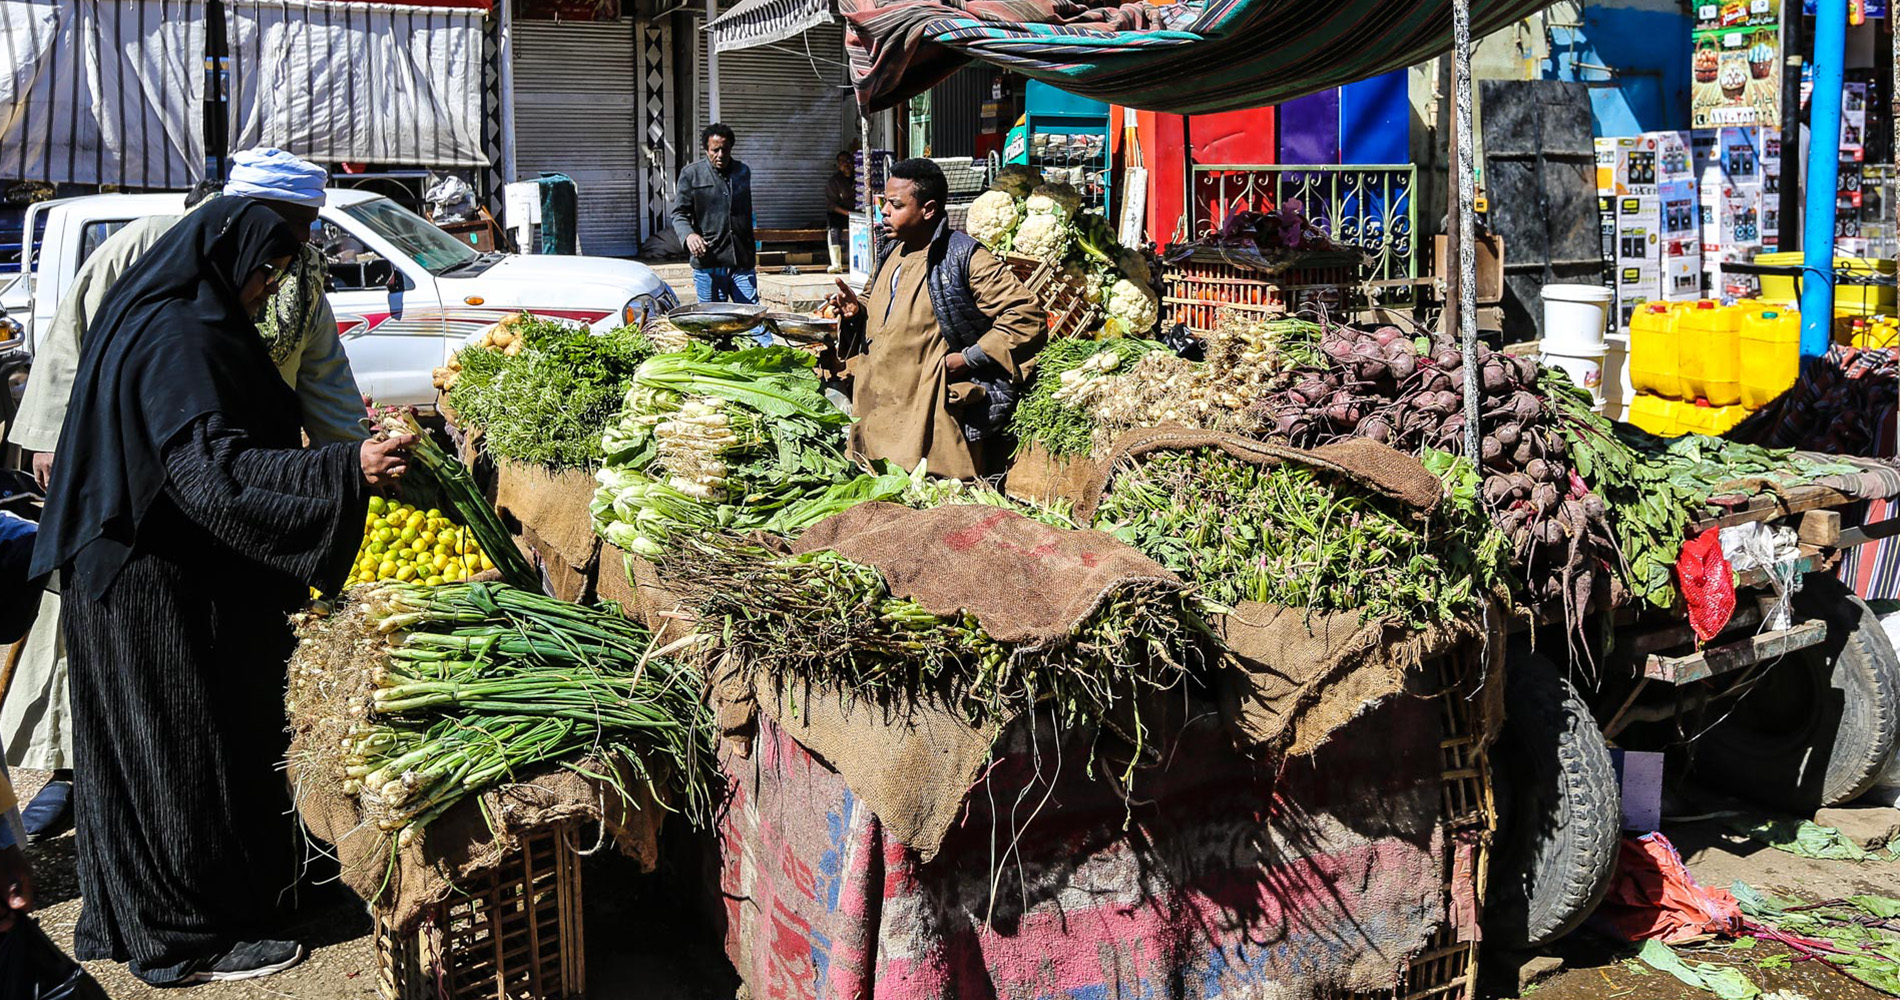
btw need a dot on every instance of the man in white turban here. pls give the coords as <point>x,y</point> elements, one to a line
<point>299,330</point>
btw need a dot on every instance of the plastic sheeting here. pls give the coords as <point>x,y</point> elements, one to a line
<point>358,82</point>
<point>102,91</point>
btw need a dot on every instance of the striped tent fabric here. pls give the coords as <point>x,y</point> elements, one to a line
<point>1243,53</point>
<point>106,92</point>
<point>358,82</point>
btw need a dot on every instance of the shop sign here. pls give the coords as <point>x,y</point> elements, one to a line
<point>1736,63</point>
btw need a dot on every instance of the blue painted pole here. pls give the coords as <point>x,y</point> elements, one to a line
<point>1823,168</point>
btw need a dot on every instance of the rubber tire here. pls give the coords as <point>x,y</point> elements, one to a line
<point>1560,810</point>
<point>1819,727</point>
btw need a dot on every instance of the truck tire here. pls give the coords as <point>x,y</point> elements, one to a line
<point>1560,814</point>
<point>1819,727</point>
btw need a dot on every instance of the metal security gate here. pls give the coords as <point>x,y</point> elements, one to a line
<point>1540,180</point>
<point>577,112</point>
<point>791,111</point>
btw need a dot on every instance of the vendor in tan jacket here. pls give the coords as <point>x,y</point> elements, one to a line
<point>301,333</point>
<point>946,332</point>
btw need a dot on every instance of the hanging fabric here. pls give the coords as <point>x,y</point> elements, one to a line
<point>358,82</point>
<point>1247,53</point>
<point>104,92</point>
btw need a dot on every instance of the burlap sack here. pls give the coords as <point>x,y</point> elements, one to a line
<point>1040,477</point>
<point>461,843</point>
<point>551,509</point>
<point>1026,582</point>
<point>1292,677</point>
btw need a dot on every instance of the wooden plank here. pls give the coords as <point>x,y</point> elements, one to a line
<point>1820,528</point>
<point>1759,577</point>
<point>1769,506</point>
<point>1671,636</point>
<point>1851,537</point>
<point>1735,655</point>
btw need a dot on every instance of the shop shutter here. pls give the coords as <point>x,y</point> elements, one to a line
<point>577,113</point>
<point>792,113</point>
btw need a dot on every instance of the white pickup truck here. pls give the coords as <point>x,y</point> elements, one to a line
<point>406,294</point>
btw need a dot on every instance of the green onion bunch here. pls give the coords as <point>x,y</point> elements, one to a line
<point>820,618</point>
<point>478,681</point>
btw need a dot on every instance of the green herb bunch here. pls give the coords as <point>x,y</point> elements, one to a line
<point>1301,538</point>
<point>548,404</point>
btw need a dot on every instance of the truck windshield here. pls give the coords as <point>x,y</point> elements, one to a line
<point>412,234</point>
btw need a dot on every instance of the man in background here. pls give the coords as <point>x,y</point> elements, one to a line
<point>840,200</point>
<point>712,213</point>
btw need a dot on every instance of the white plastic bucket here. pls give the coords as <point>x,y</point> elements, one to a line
<point>1574,318</point>
<point>1585,369</point>
<point>1617,387</point>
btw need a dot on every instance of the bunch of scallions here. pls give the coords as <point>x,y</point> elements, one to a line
<point>819,618</point>
<point>468,685</point>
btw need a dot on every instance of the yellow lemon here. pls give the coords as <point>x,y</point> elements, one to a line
<point>410,534</point>
<point>377,503</point>
<point>405,573</point>
<point>426,537</point>
<point>434,581</point>
<point>434,512</point>
<point>486,564</point>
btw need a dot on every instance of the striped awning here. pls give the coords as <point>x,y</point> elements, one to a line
<point>762,22</point>
<point>1217,55</point>
<point>107,92</point>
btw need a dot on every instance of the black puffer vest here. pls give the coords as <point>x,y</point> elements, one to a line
<point>961,323</point>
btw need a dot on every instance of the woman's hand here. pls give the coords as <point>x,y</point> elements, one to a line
<point>16,881</point>
<point>386,459</point>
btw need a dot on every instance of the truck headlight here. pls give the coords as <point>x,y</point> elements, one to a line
<point>643,307</point>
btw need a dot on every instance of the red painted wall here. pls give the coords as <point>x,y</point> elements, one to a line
<point>1231,137</point>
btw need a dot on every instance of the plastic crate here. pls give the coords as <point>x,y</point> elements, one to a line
<point>967,177</point>
<point>1197,291</point>
<point>512,933</point>
<point>1071,314</point>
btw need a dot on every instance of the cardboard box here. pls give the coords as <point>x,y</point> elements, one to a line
<point>1682,279</point>
<point>1637,164</point>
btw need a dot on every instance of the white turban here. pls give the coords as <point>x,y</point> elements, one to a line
<point>277,176</point>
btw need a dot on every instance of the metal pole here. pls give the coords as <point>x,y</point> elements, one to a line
<point>510,170</point>
<point>1822,177</point>
<point>1466,231</point>
<point>712,65</point>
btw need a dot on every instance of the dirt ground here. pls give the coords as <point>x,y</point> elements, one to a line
<point>640,946</point>
<point>1596,968</point>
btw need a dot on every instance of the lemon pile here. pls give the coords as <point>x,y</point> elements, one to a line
<point>403,543</point>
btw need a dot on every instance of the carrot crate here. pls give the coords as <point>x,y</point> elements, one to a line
<point>512,933</point>
<point>1071,314</point>
<point>1198,288</point>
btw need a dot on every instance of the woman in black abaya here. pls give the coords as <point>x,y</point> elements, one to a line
<point>188,522</point>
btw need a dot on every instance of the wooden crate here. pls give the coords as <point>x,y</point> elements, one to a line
<point>1197,291</point>
<point>1071,314</point>
<point>513,933</point>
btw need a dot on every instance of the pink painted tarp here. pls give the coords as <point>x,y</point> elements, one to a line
<point>1222,877</point>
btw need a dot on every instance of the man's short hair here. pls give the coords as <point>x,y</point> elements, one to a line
<point>720,129</point>
<point>201,191</point>
<point>926,177</point>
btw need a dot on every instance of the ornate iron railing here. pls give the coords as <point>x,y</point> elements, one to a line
<point>1368,206</point>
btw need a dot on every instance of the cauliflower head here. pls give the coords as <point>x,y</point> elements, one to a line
<point>1061,200</point>
<point>1042,235</point>
<point>1017,179</point>
<point>993,218</point>
<point>1086,278</point>
<point>1132,308</point>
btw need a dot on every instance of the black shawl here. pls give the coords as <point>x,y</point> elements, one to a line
<point>171,343</point>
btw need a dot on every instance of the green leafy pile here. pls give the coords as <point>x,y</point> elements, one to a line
<point>1300,538</point>
<point>1044,416</point>
<point>1858,936</point>
<point>1657,488</point>
<point>712,440</point>
<point>547,403</point>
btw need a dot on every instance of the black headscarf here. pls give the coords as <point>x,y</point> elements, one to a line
<point>171,343</point>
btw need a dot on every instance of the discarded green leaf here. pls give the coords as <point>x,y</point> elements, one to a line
<point>1775,962</point>
<point>1742,944</point>
<point>1663,958</point>
<point>1802,837</point>
<point>1727,983</point>
<point>1884,907</point>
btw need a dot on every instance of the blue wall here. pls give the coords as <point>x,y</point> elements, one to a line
<point>1647,41</point>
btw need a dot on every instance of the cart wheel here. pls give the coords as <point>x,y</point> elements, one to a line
<point>1560,812</point>
<point>1818,727</point>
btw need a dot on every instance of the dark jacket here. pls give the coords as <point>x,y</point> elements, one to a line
<point>719,208</point>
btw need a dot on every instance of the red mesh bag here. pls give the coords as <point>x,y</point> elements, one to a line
<point>1708,584</point>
